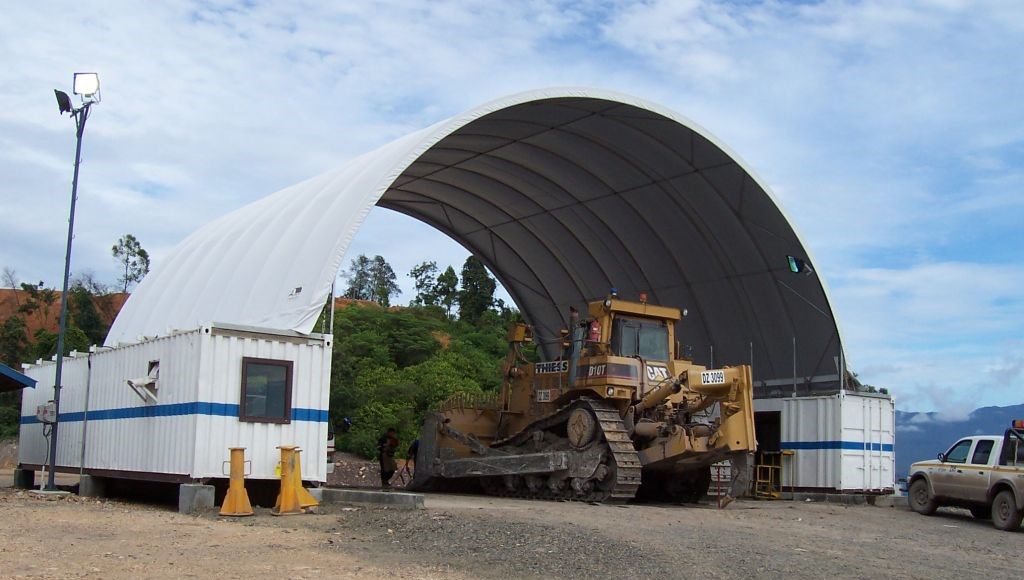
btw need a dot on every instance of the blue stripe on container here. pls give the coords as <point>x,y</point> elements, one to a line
<point>847,445</point>
<point>315,415</point>
<point>174,410</point>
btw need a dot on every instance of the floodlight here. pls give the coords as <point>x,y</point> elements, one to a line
<point>87,84</point>
<point>63,101</point>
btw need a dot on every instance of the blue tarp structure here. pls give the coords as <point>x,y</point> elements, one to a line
<point>12,380</point>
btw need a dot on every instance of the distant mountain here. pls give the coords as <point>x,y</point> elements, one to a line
<point>923,435</point>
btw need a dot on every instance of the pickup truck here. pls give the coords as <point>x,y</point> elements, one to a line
<point>983,473</point>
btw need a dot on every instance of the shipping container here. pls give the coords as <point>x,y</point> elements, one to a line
<point>169,408</point>
<point>840,443</point>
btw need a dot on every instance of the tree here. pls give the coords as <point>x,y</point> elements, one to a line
<point>509,314</point>
<point>129,253</point>
<point>425,277</point>
<point>390,368</point>
<point>13,351</point>
<point>45,344</point>
<point>447,289</point>
<point>371,280</point>
<point>477,293</point>
<point>84,315</point>
<point>87,279</point>
<point>38,298</point>
<point>360,284</point>
<point>9,278</point>
<point>13,341</point>
<point>383,281</point>
<point>47,296</point>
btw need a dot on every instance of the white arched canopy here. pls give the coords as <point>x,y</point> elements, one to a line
<point>563,194</point>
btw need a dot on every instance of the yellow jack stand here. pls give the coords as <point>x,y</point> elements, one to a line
<point>288,498</point>
<point>236,502</point>
<point>302,497</point>
<point>306,499</point>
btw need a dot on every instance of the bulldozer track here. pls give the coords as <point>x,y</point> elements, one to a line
<point>624,460</point>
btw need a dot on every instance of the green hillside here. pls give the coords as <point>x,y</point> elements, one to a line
<point>392,365</point>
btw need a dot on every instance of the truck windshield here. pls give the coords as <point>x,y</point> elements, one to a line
<point>647,339</point>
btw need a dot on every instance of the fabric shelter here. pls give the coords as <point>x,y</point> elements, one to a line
<point>563,193</point>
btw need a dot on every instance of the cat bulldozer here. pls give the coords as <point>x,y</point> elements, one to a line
<point>621,414</point>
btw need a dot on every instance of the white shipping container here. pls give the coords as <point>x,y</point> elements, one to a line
<point>843,442</point>
<point>183,432</point>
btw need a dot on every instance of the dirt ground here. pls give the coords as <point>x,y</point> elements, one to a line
<point>481,537</point>
<point>354,471</point>
<point>8,453</point>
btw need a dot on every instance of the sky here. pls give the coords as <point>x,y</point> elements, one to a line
<point>892,134</point>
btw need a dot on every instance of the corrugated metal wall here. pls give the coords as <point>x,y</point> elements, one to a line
<point>122,432</point>
<point>189,429</point>
<point>32,447</point>
<point>872,420</point>
<point>841,442</point>
<point>808,423</point>
<point>221,379</point>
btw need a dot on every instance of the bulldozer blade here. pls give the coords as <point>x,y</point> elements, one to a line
<point>423,478</point>
<point>505,465</point>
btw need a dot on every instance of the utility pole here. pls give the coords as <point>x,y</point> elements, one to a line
<point>87,85</point>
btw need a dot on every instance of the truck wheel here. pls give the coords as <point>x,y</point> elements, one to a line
<point>1005,514</point>
<point>981,512</point>
<point>921,500</point>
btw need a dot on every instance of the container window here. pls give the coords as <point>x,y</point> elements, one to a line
<point>266,391</point>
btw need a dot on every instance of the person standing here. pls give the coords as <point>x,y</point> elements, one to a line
<point>386,447</point>
<point>410,456</point>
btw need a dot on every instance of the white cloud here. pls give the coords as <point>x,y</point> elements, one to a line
<point>942,336</point>
<point>892,134</point>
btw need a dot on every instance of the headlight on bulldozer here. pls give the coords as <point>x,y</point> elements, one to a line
<point>611,391</point>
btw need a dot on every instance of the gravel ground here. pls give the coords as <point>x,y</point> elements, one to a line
<point>501,538</point>
<point>481,537</point>
<point>486,546</point>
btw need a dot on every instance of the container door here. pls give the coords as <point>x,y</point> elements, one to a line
<point>859,465</point>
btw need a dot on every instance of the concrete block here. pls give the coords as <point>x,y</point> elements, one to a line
<point>194,497</point>
<point>317,493</point>
<point>24,478</point>
<point>50,494</point>
<point>893,501</point>
<point>396,499</point>
<point>846,498</point>
<point>92,486</point>
<point>811,496</point>
<point>843,498</point>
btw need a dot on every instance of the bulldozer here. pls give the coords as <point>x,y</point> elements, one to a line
<point>621,414</point>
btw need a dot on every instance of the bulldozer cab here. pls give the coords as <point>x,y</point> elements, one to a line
<point>632,329</point>
<point>645,338</point>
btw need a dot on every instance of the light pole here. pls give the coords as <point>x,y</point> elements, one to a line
<point>87,85</point>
